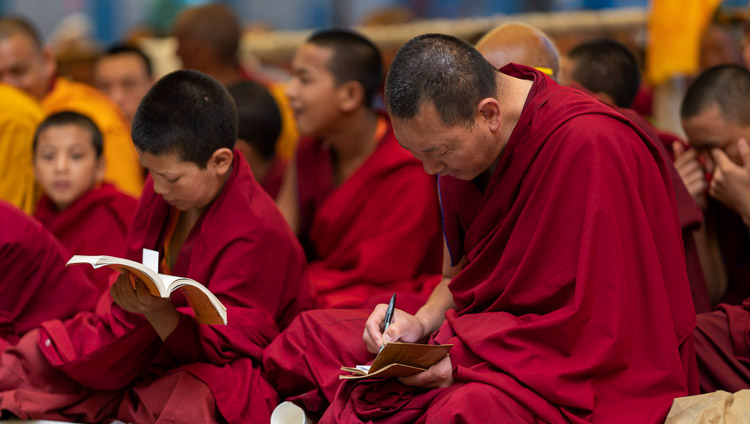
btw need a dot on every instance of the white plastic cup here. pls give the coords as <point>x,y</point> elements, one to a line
<point>289,413</point>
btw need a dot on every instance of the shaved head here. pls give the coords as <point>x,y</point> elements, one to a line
<point>210,30</point>
<point>519,43</point>
<point>725,86</point>
<point>24,62</point>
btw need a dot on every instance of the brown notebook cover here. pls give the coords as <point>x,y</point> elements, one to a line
<point>400,360</point>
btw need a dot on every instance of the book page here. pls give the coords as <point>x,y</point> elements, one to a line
<point>150,278</point>
<point>208,308</point>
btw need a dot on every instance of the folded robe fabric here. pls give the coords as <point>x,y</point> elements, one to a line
<point>35,285</point>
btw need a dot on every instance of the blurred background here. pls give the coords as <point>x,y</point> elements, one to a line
<point>78,30</point>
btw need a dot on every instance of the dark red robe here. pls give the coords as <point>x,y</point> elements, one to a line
<point>35,285</point>
<point>95,224</point>
<point>574,305</point>
<point>274,177</point>
<point>111,364</point>
<point>375,234</point>
<point>690,214</point>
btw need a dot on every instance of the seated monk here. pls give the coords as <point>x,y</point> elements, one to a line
<point>715,118</point>
<point>87,216</point>
<point>607,70</point>
<point>208,40</point>
<point>140,358</point>
<point>723,131</point>
<point>259,125</point>
<point>26,64</point>
<point>516,42</point>
<point>365,211</point>
<point>19,116</point>
<point>564,293</point>
<point>35,285</point>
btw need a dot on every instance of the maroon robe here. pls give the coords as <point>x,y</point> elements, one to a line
<point>95,224</point>
<point>375,234</point>
<point>112,364</point>
<point>690,214</point>
<point>274,177</point>
<point>35,285</point>
<point>574,305</point>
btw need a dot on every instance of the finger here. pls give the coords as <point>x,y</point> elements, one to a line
<point>372,335</point>
<point>744,149</point>
<point>721,159</point>
<point>424,379</point>
<point>402,328</point>
<point>685,158</point>
<point>677,149</point>
<point>141,293</point>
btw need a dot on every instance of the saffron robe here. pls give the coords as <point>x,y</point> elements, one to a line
<point>19,116</point>
<point>35,285</point>
<point>111,364</point>
<point>95,224</point>
<point>574,305</point>
<point>124,169</point>
<point>375,234</point>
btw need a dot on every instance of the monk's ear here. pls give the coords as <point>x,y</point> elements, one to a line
<point>489,113</point>
<point>101,168</point>
<point>351,95</point>
<point>49,62</point>
<point>221,161</point>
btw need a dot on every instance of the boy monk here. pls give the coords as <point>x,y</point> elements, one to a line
<point>35,285</point>
<point>140,358</point>
<point>259,125</point>
<point>26,64</point>
<point>87,216</point>
<point>608,71</point>
<point>564,289</point>
<point>365,211</point>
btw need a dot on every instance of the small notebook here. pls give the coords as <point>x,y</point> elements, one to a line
<point>399,360</point>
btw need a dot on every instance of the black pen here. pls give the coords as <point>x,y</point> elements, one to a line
<point>388,316</point>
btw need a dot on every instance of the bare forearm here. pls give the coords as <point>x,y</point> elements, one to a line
<point>432,314</point>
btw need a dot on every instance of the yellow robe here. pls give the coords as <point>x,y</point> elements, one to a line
<point>19,116</point>
<point>123,167</point>
<point>287,141</point>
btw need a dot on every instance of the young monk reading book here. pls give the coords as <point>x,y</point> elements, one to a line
<point>35,285</point>
<point>141,358</point>
<point>565,295</point>
<point>365,211</point>
<point>88,216</point>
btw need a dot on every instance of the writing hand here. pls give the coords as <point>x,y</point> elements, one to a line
<point>404,327</point>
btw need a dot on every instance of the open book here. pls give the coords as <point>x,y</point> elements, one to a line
<point>399,360</point>
<point>207,307</point>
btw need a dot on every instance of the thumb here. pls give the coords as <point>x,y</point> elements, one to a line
<point>678,149</point>
<point>744,149</point>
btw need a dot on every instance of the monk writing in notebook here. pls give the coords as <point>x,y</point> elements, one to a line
<point>563,257</point>
<point>35,285</point>
<point>365,211</point>
<point>87,216</point>
<point>141,358</point>
<point>29,65</point>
